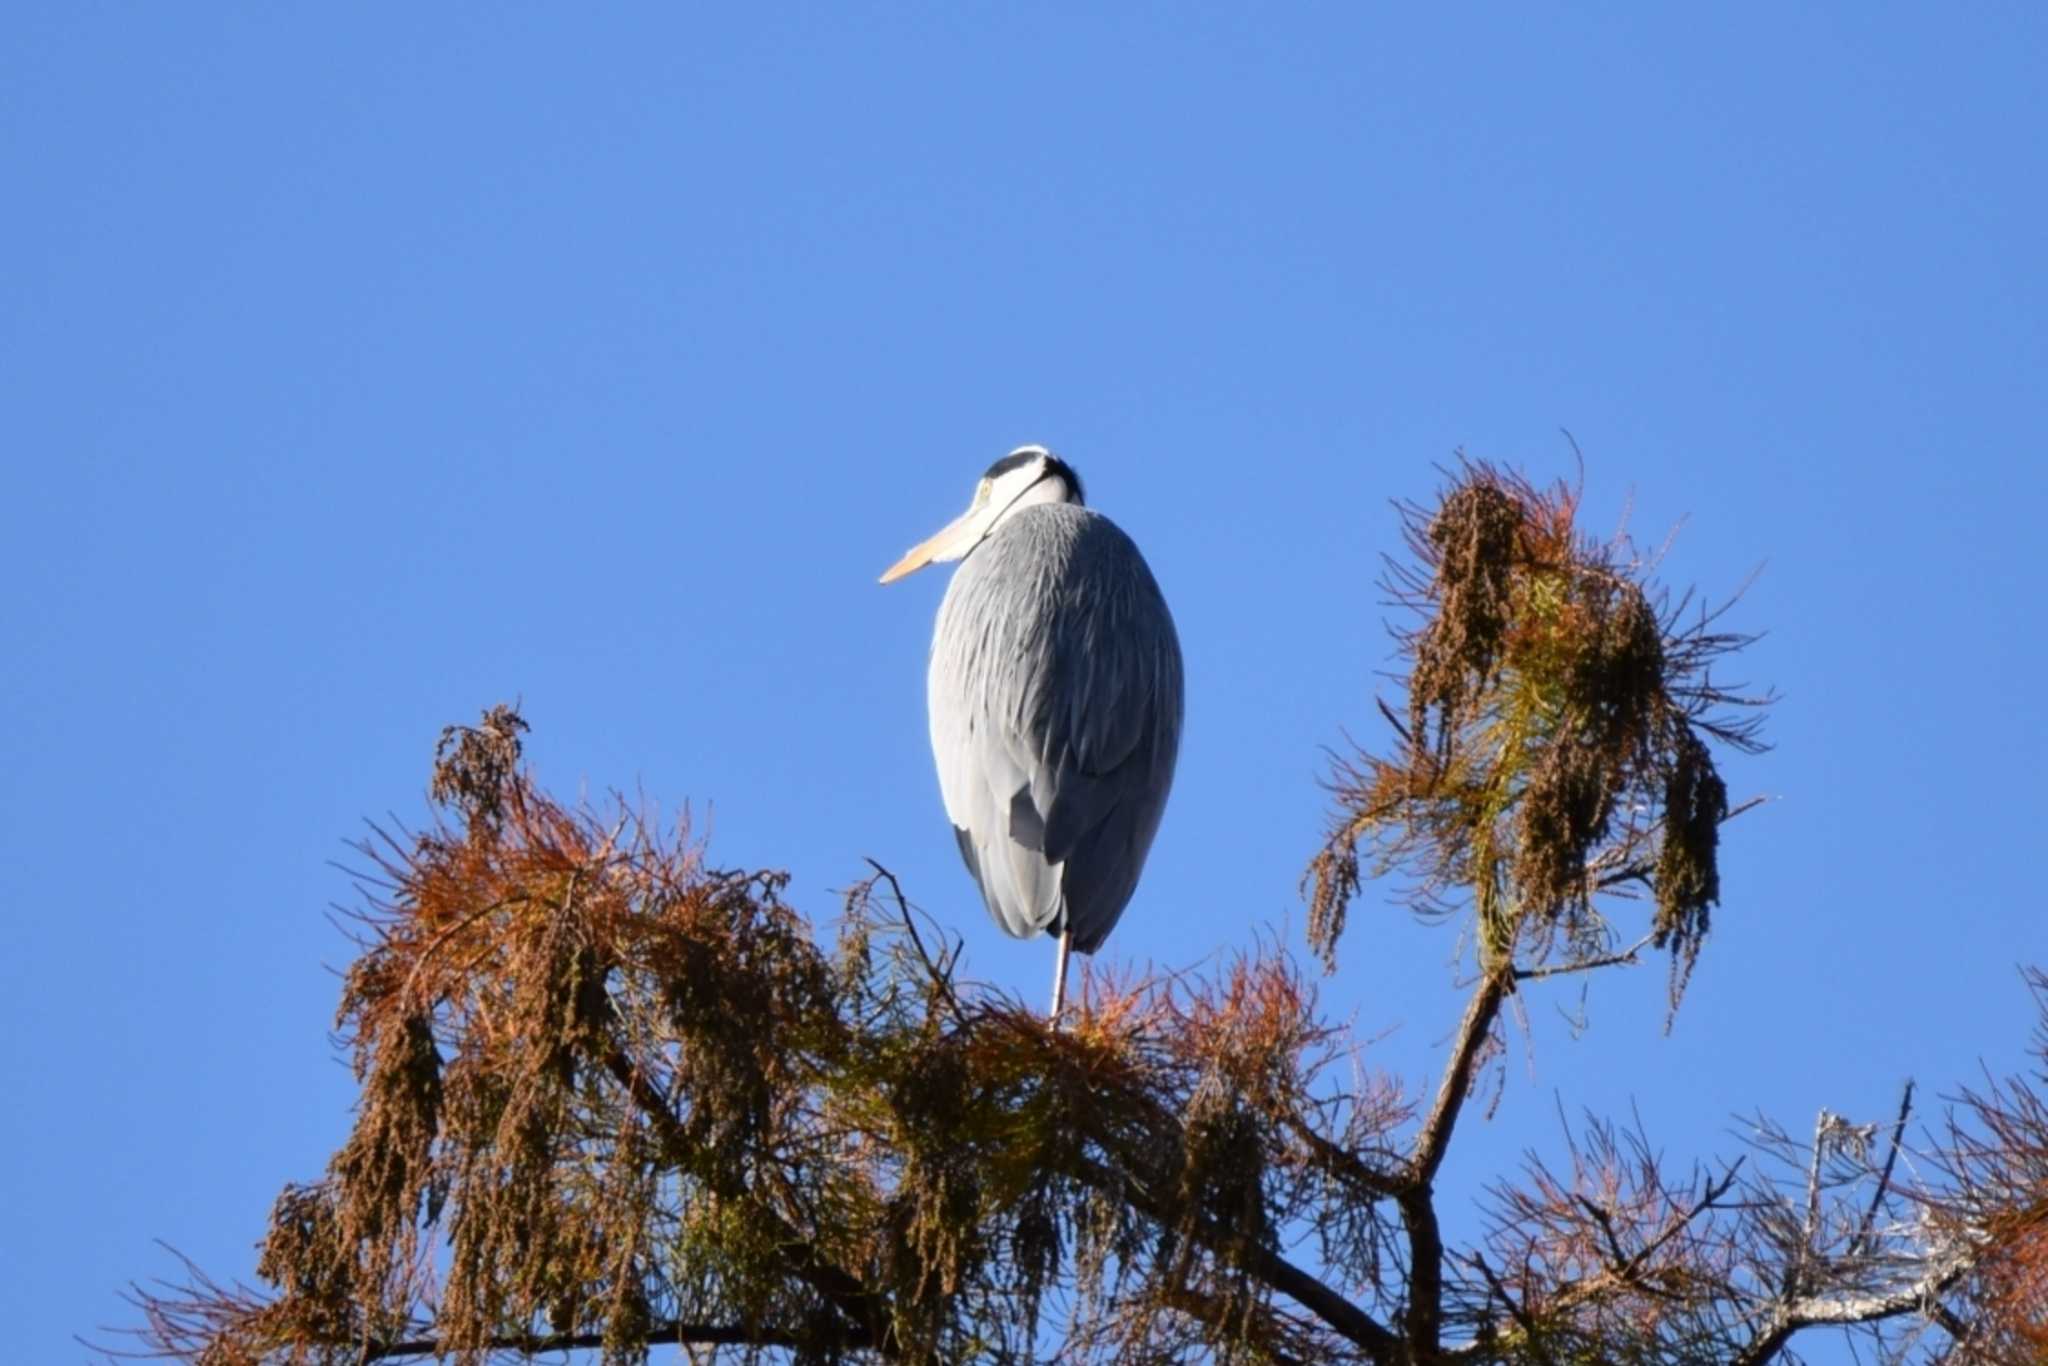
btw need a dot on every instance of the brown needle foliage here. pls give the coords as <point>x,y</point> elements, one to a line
<point>1555,745</point>
<point>614,1099</point>
<point>1991,1197</point>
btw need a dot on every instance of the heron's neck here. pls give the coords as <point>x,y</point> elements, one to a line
<point>1052,490</point>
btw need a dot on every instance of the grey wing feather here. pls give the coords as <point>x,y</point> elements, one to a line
<point>1056,701</point>
<point>978,775</point>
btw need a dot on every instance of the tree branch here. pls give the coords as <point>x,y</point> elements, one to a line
<point>1607,960</point>
<point>671,1335</point>
<point>1626,1268</point>
<point>1218,1314</point>
<point>866,1311</point>
<point>1884,1176</point>
<point>1618,866</point>
<point>1343,1317</point>
<point>1435,1136</point>
<point>1814,1311</point>
<point>1416,1199</point>
<point>941,975</point>
<point>1341,1162</point>
<point>1499,1291</point>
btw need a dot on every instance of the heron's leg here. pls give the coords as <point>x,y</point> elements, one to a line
<point>1059,975</point>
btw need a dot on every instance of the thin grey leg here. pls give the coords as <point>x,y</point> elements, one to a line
<point>1059,976</point>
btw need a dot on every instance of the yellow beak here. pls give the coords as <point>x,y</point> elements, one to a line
<point>952,541</point>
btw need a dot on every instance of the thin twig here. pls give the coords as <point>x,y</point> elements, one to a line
<point>843,1290</point>
<point>1530,1336</point>
<point>1884,1177</point>
<point>1256,1259</point>
<point>942,978</point>
<point>1627,955</point>
<point>1795,1266</point>
<point>449,933</point>
<point>1710,1196</point>
<point>1345,1164</point>
<point>1610,871</point>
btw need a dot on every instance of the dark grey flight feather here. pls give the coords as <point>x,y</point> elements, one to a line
<point>1056,700</point>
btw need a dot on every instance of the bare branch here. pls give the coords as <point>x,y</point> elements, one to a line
<point>1882,1189</point>
<point>1811,1311</point>
<point>941,975</point>
<point>1606,960</point>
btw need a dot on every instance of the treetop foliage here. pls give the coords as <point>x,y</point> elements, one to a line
<point>1555,747</point>
<point>614,1098</point>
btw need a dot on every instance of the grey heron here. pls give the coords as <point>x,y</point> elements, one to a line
<point>1055,695</point>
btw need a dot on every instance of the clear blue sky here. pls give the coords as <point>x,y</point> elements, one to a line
<point>362,366</point>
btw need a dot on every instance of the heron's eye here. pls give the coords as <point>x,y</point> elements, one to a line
<point>981,493</point>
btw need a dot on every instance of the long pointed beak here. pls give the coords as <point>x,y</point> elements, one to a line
<point>952,541</point>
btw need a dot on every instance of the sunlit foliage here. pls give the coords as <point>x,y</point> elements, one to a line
<point>1553,748</point>
<point>615,1099</point>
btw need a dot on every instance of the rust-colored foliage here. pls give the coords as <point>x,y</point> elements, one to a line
<point>1555,742</point>
<point>2014,1286</point>
<point>1611,1259</point>
<point>613,1098</point>
<point>1993,1196</point>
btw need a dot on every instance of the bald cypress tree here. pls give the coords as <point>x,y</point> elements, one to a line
<point>616,1099</point>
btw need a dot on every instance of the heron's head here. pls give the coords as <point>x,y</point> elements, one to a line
<point>1027,475</point>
